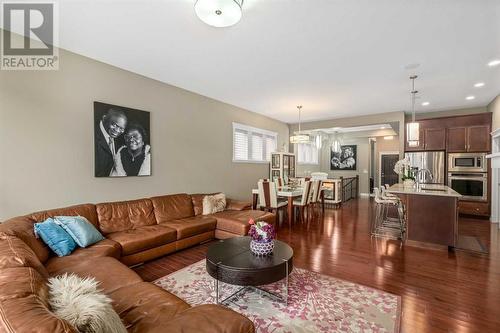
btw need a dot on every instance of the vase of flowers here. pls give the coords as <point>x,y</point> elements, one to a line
<point>262,235</point>
<point>403,169</point>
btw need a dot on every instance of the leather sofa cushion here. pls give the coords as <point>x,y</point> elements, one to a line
<point>208,318</point>
<point>172,207</point>
<point>192,226</point>
<point>22,227</point>
<point>144,306</point>
<point>232,204</point>
<point>197,200</point>
<point>236,221</point>
<point>110,272</point>
<point>125,215</point>
<point>23,303</point>
<point>104,248</point>
<point>15,253</point>
<point>86,210</point>
<point>143,238</point>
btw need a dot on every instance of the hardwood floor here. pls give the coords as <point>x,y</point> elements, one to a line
<point>441,291</point>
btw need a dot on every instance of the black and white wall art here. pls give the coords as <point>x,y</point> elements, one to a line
<point>344,160</point>
<point>121,141</point>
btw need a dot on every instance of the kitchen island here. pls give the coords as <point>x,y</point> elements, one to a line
<point>431,214</point>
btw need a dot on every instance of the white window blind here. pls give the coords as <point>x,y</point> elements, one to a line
<point>251,144</point>
<point>307,153</point>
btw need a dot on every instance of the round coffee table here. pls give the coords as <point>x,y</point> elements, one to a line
<point>231,261</point>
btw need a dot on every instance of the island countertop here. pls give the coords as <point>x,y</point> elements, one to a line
<point>424,189</point>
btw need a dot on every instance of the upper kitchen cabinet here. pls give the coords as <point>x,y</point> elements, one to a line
<point>469,139</point>
<point>434,138</point>
<point>456,139</point>
<point>470,133</point>
<point>478,138</point>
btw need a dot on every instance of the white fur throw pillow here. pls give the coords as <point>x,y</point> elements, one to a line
<point>214,203</point>
<point>83,305</point>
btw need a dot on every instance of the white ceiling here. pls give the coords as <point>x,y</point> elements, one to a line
<point>336,58</point>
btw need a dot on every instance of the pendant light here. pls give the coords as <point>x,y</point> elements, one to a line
<point>318,140</point>
<point>298,137</point>
<point>219,13</point>
<point>413,128</point>
<point>336,145</point>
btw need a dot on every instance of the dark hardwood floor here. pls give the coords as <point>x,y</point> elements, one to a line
<point>441,291</point>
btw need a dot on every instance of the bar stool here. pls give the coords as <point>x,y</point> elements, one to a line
<point>383,225</point>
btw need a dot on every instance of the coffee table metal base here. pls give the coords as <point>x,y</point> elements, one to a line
<point>280,298</point>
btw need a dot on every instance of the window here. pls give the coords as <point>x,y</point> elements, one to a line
<point>252,144</point>
<point>307,153</point>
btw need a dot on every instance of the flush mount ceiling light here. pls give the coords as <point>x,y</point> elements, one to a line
<point>425,103</point>
<point>413,128</point>
<point>479,85</point>
<point>470,98</point>
<point>299,137</point>
<point>219,13</point>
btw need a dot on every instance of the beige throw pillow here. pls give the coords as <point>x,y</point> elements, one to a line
<point>83,305</point>
<point>214,203</point>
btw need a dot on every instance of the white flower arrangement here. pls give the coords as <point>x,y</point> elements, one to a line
<point>403,168</point>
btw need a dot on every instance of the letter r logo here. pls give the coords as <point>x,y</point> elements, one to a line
<point>35,21</point>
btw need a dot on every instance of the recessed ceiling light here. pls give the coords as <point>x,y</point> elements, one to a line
<point>470,98</point>
<point>425,103</point>
<point>382,127</point>
<point>479,85</point>
<point>494,63</point>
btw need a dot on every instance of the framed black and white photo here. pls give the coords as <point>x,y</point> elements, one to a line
<point>346,159</point>
<point>121,141</point>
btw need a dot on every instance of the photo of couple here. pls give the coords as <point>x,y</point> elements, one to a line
<point>121,139</point>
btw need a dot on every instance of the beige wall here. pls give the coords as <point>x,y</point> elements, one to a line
<point>494,107</point>
<point>363,154</point>
<point>46,138</point>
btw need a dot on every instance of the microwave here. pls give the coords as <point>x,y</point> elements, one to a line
<point>467,162</point>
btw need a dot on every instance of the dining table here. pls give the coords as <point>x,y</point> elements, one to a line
<point>290,193</point>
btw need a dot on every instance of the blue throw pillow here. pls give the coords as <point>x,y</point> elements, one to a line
<point>55,237</point>
<point>78,227</point>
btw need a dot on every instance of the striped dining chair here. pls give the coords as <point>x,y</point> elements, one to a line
<point>304,200</point>
<point>315,195</point>
<point>268,199</point>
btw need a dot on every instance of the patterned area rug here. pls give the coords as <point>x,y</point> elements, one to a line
<point>316,303</point>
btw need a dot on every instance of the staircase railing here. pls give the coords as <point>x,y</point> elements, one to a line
<point>350,188</point>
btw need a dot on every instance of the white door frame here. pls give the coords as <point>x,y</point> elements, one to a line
<point>380,153</point>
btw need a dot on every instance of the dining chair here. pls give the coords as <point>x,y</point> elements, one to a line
<point>268,199</point>
<point>301,181</point>
<point>280,182</point>
<point>304,200</point>
<point>315,195</point>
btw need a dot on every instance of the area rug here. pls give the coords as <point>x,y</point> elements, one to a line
<point>316,302</point>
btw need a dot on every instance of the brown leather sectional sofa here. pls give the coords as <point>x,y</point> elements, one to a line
<point>135,231</point>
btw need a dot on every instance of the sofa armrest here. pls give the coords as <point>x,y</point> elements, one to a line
<point>209,318</point>
<point>238,205</point>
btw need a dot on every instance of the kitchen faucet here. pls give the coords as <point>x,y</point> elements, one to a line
<point>425,171</point>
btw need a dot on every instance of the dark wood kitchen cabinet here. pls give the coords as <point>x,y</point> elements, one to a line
<point>456,138</point>
<point>478,138</point>
<point>468,139</point>
<point>435,138</point>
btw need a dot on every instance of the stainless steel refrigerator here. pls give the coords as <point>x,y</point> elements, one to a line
<point>434,161</point>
